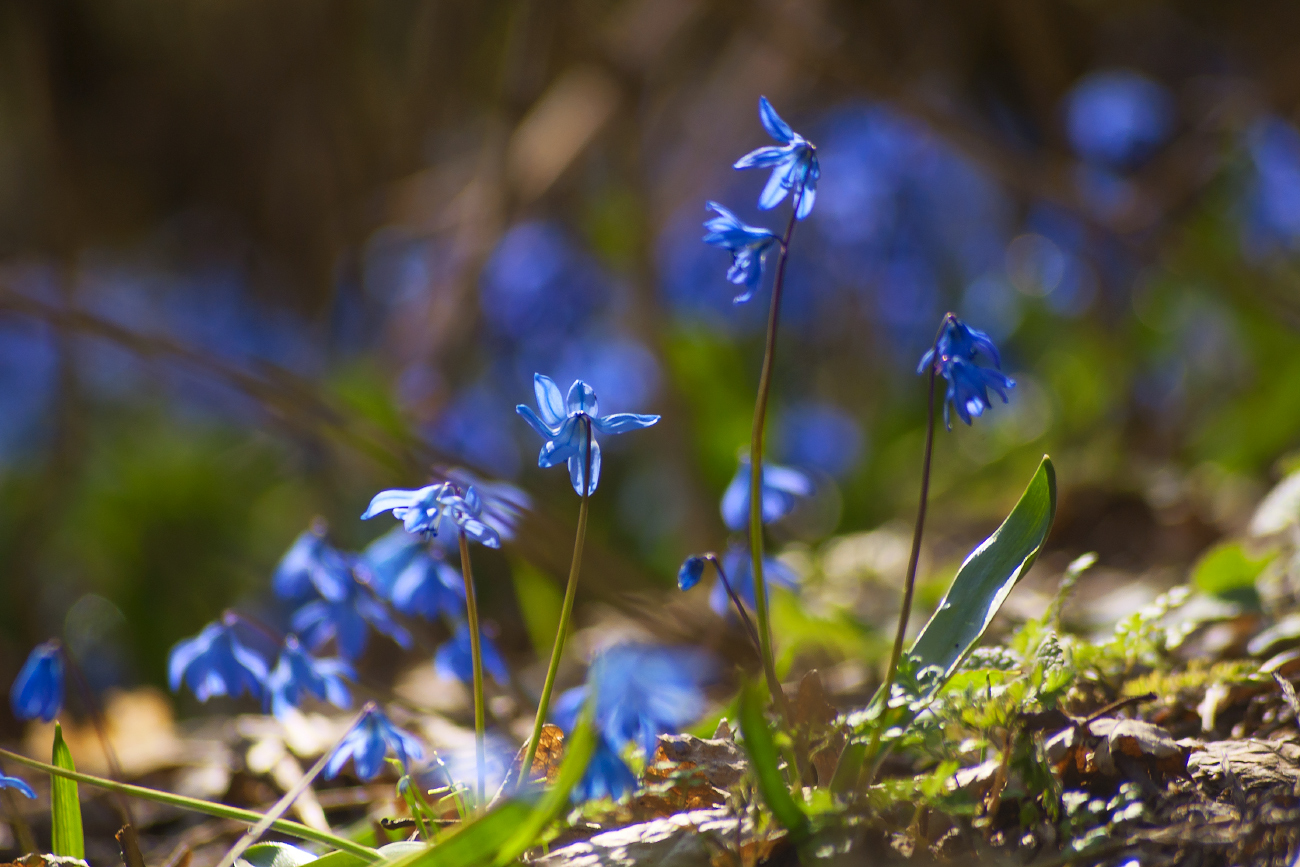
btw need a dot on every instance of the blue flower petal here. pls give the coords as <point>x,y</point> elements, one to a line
<point>622,422</point>
<point>582,399</point>
<point>772,122</point>
<point>577,466</point>
<point>550,401</point>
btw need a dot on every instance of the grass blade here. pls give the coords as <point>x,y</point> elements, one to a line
<point>65,806</point>
<point>474,843</point>
<point>764,760</point>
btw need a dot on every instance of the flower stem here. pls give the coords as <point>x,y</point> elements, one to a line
<point>909,581</point>
<point>750,631</point>
<point>476,657</point>
<point>756,475</point>
<point>101,727</point>
<point>221,811</point>
<point>570,593</point>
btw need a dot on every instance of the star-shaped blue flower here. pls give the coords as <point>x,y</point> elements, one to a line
<point>782,489</point>
<point>312,563</point>
<point>957,348</point>
<point>564,422</point>
<point>453,659</point>
<point>15,783</point>
<point>298,672</point>
<point>419,510</point>
<point>428,587</point>
<point>466,512</point>
<point>794,163</point>
<point>348,622</point>
<point>748,245</point>
<point>367,744</point>
<point>385,560</point>
<point>37,692</point>
<point>217,662</point>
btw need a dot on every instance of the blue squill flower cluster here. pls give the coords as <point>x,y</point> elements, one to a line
<point>37,692</point>
<point>367,744</point>
<point>795,172</point>
<point>953,356</point>
<point>641,691</point>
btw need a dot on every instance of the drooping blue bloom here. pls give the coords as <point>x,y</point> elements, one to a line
<point>217,662</point>
<point>15,783</point>
<point>428,587</point>
<point>607,776</point>
<point>367,744</point>
<point>740,573</point>
<point>568,425</point>
<point>312,563</point>
<point>454,660</point>
<point>418,510</point>
<point>748,245</point>
<point>37,692</point>
<point>503,503</point>
<point>466,512</point>
<point>298,672</point>
<point>794,164</point>
<point>782,488</point>
<point>691,572</point>
<point>822,436</point>
<point>347,622</point>
<point>968,383</point>
<point>384,560</point>
<point>1118,118</point>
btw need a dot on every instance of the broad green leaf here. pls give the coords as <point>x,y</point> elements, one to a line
<point>763,759</point>
<point>578,749</point>
<point>65,806</point>
<point>275,855</point>
<point>1228,572</point>
<point>474,843</point>
<point>390,852</point>
<point>984,581</point>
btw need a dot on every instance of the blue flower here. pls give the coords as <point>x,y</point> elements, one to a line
<point>1118,118</point>
<point>607,776</point>
<point>216,662</point>
<point>37,692</point>
<point>453,659</point>
<point>367,744</point>
<point>384,560</point>
<point>748,246</point>
<point>503,503</point>
<point>565,423</point>
<point>312,562</point>
<point>427,587</point>
<point>968,384</point>
<point>794,163</point>
<point>466,512</point>
<point>782,487</point>
<point>298,671</point>
<point>738,566</point>
<point>347,622</point>
<point>418,510</point>
<point>691,572</point>
<point>15,783</point>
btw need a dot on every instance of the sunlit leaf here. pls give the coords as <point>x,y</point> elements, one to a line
<point>275,855</point>
<point>764,759</point>
<point>65,805</point>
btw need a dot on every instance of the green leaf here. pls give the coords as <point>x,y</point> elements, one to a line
<point>1228,572</point>
<point>474,843</point>
<point>65,806</point>
<point>578,749</point>
<point>984,581</point>
<point>764,760</point>
<point>275,855</point>
<point>390,852</point>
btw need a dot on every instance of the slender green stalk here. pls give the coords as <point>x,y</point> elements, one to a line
<point>756,475</point>
<point>570,593</point>
<point>909,582</point>
<point>476,657</point>
<point>221,811</point>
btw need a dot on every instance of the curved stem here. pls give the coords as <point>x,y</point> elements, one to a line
<point>101,727</point>
<point>570,593</point>
<point>750,631</point>
<point>221,811</point>
<point>756,474</point>
<point>476,657</point>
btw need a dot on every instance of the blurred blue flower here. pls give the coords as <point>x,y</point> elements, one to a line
<point>1118,118</point>
<point>428,587</point>
<point>748,245</point>
<point>691,572</point>
<point>298,672</point>
<point>794,164</point>
<point>782,486</point>
<point>15,783</point>
<point>312,562</point>
<point>466,512</point>
<point>968,383</point>
<point>37,692</point>
<point>822,436</point>
<point>384,560</point>
<point>503,503</point>
<point>562,425</point>
<point>419,510</point>
<point>607,776</point>
<point>1272,195</point>
<point>475,426</point>
<point>217,662</point>
<point>367,744</point>
<point>453,660</point>
<point>347,622</point>
<point>740,573</point>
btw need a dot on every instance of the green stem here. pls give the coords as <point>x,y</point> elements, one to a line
<point>476,656</point>
<point>221,811</point>
<point>756,477</point>
<point>570,593</point>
